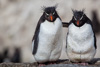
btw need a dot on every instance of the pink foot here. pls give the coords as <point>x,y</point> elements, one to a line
<point>84,64</point>
<point>41,65</point>
<point>51,63</point>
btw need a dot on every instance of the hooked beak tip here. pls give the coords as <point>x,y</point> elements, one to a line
<point>51,18</point>
<point>78,22</point>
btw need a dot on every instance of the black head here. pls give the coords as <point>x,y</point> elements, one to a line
<point>79,18</point>
<point>50,13</point>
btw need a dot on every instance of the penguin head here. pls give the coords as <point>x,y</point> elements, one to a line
<point>50,13</point>
<point>79,18</point>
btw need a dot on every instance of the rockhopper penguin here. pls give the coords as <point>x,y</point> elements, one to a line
<point>47,39</point>
<point>81,40</point>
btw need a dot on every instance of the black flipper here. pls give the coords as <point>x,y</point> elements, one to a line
<point>90,22</point>
<point>35,37</point>
<point>65,24</point>
<point>95,42</point>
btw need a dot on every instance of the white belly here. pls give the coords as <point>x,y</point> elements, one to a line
<point>80,43</point>
<point>50,41</point>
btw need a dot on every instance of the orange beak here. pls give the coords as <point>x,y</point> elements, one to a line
<point>51,18</point>
<point>78,22</point>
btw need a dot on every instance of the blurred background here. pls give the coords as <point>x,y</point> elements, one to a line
<point>18,20</point>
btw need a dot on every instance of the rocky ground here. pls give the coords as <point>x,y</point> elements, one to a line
<point>59,63</point>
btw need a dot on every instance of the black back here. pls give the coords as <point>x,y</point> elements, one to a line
<point>47,11</point>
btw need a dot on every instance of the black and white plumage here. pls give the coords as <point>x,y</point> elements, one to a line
<point>81,40</point>
<point>47,40</point>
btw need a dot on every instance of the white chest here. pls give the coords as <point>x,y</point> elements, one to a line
<point>80,38</point>
<point>80,33</point>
